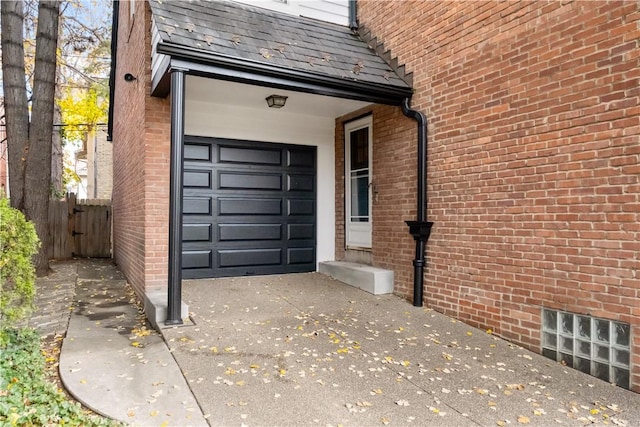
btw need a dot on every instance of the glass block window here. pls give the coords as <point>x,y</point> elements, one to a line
<point>594,346</point>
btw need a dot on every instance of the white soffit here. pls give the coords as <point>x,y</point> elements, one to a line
<point>201,89</point>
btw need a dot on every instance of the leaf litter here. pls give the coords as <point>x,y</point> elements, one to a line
<point>460,354</point>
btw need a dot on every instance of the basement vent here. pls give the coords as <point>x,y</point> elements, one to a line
<point>594,346</point>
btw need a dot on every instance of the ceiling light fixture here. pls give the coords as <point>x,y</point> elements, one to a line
<point>276,101</point>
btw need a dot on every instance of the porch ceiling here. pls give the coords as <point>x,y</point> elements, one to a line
<point>201,89</point>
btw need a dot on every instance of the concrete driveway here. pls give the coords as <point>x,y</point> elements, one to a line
<point>303,349</point>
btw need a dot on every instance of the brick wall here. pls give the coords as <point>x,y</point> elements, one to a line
<point>534,152</point>
<point>157,154</point>
<point>141,141</point>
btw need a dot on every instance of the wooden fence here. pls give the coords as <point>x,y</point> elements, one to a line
<point>80,228</point>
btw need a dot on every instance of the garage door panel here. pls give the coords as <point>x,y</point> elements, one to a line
<point>249,257</point>
<point>250,155</point>
<point>300,231</point>
<point>301,207</point>
<point>233,232</point>
<point>196,259</point>
<point>196,206</point>
<point>257,214</point>
<point>249,181</point>
<point>239,206</point>
<point>300,255</point>
<point>301,158</point>
<point>197,179</point>
<point>197,152</point>
<point>297,182</point>
<point>196,232</point>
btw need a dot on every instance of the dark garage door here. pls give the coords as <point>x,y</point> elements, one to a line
<point>249,208</point>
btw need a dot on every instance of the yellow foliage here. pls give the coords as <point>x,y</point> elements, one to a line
<point>80,111</point>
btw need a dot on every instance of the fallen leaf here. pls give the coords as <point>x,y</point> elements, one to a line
<point>515,387</point>
<point>523,420</point>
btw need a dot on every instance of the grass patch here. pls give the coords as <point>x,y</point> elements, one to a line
<point>26,397</point>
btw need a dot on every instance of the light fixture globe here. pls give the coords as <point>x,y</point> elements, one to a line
<point>276,101</point>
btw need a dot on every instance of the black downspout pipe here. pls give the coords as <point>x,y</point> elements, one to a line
<point>353,15</point>
<point>174,302</point>
<point>112,73</point>
<point>420,229</point>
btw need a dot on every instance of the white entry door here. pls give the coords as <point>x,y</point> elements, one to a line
<point>358,184</point>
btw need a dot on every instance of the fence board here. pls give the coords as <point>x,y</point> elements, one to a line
<point>61,245</point>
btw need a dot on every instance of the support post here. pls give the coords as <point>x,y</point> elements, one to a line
<point>174,303</point>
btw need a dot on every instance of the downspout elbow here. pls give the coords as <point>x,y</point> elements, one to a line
<point>420,229</point>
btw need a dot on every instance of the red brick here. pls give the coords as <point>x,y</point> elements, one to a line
<point>556,166</point>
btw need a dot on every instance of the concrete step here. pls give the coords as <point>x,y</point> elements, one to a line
<point>376,281</point>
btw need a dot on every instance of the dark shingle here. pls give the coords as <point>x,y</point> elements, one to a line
<point>259,35</point>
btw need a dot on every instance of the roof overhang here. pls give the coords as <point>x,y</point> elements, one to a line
<point>205,64</point>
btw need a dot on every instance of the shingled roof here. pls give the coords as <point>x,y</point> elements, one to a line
<point>232,32</point>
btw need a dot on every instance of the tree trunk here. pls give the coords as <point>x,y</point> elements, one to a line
<point>38,171</point>
<point>15,97</point>
<point>57,156</point>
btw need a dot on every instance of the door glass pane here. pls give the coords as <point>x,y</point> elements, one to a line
<point>359,175</point>
<point>359,197</point>
<point>360,149</point>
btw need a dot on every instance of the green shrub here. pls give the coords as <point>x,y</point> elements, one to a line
<point>18,243</point>
<point>26,398</point>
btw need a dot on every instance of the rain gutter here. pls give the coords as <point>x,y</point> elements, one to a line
<point>200,62</point>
